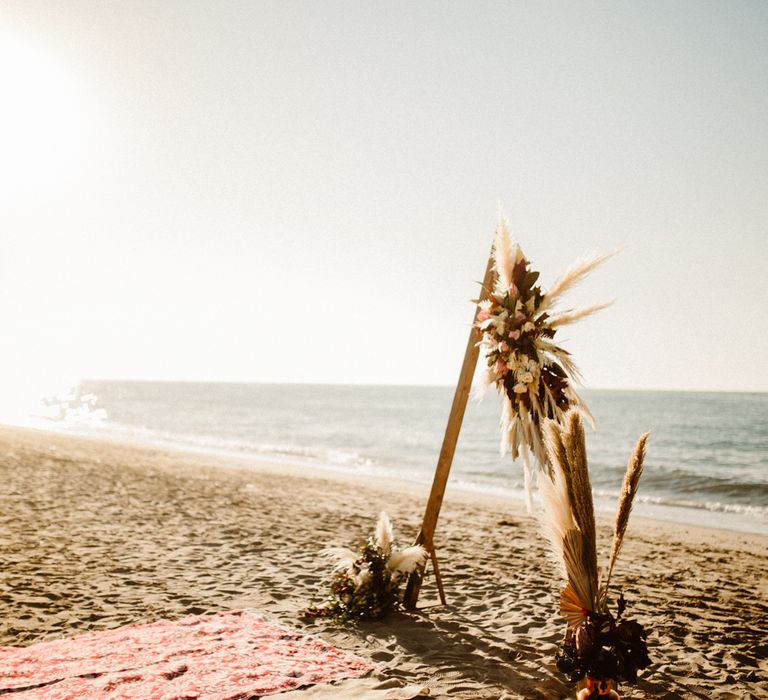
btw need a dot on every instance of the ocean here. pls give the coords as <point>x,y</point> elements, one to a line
<point>706,463</point>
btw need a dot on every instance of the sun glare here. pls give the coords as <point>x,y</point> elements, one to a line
<point>43,123</point>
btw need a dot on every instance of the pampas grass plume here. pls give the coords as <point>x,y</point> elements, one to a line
<point>384,535</point>
<point>626,499</point>
<point>505,253</point>
<point>569,519</point>
<point>344,557</point>
<point>573,275</point>
<point>571,316</point>
<point>581,492</point>
<point>406,560</point>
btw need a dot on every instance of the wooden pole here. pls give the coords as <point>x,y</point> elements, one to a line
<point>438,578</point>
<point>450,439</point>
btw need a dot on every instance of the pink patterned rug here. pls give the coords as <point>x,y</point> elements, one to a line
<point>226,656</point>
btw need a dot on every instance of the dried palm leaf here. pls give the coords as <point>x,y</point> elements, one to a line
<point>579,566</point>
<point>571,607</point>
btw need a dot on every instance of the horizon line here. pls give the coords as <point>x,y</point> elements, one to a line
<point>404,385</point>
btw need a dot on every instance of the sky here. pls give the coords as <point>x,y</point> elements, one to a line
<point>307,191</point>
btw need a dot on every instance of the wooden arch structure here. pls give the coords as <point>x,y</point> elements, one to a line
<point>445,460</point>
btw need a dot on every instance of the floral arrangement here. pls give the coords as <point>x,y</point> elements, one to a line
<point>599,649</point>
<point>533,374</point>
<point>365,585</point>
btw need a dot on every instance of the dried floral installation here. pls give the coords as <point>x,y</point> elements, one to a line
<point>533,374</point>
<point>599,649</point>
<point>365,585</point>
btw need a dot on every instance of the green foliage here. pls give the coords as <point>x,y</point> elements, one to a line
<point>605,647</point>
<point>366,591</point>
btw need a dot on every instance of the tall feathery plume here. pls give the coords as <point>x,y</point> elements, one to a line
<point>534,375</point>
<point>384,535</point>
<point>573,275</point>
<point>404,561</point>
<point>568,516</point>
<point>626,499</point>
<point>572,316</point>
<point>343,557</point>
<point>505,254</point>
<point>581,495</point>
<point>599,648</point>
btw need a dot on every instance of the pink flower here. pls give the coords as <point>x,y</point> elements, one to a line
<point>483,315</point>
<point>501,367</point>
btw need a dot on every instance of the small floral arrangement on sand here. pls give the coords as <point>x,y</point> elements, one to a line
<point>599,649</point>
<point>365,585</point>
<point>534,375</point>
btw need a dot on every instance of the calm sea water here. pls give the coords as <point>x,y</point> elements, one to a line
<point>707,457</point>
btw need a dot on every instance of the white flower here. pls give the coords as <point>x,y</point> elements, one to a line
<point>500,322</point>
<point>362,577</point>
<point>485,305</point>
<point>493,344</point>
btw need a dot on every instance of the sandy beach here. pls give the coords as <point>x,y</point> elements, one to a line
<point>95,535</point>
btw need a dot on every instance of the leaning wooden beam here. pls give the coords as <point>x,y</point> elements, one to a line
<point>450,439</point>
<point>438,578</point>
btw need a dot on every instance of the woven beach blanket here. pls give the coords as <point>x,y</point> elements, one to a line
<point>226,656</point>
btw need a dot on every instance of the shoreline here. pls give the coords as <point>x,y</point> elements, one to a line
<point>95,534</point>
<point>604,507</point>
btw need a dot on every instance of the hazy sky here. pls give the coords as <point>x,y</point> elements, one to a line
<point>307,191</point>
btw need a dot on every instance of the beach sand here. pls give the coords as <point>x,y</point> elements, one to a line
<point>94,535</point>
